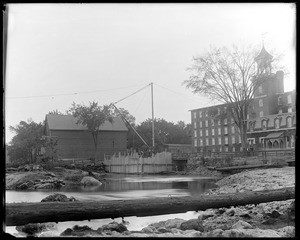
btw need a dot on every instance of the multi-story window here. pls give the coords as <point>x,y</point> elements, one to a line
<point>206,123</point>
<point>290,110</point>
<point>207,141</point>
<point>264,124</point>
<point>195,142</point>
<point>276,123</point>
<point>260,103</point>
<point>232,129</point>
<point>213,132</point>
<point>233,139</point>
<point>195,133</point>
<point>289,122</point>
<point>225,130</point>
<point>219,140</point>
<point>226,140</point>
<point>289,99</point>
<point>200,124</point>
<point>213,141</point>
<point>261,113</point>
<point>219,130</point>
<point>206,132</point>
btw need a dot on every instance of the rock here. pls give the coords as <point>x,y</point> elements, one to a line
<point>22,186</point>
<point>114,226</point>
<point>32,229</point>
<point>241,225</point>
<point>174,223</point>
<point>58,197</point>
<point>288,231</point>
<point>216,233</point>
<point>269,221</point>
<point>220,210</point>
<point>192,224</point>
<point>90,181</point>
<point>148,230</point>
<point>274,214</point>
<point>230,212</point>
<point>291,211</point>
<point>206,214</point>
<point>245,215</point>
<point>80,231</point>
<point>162,230</point>
<point>67,232</point>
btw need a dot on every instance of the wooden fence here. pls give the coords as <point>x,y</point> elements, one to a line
<point>132,163</point>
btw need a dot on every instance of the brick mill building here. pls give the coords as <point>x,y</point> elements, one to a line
<point>75,141</point>
<point>271,122</point>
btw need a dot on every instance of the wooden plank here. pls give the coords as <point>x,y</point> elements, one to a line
<point>23,213</point>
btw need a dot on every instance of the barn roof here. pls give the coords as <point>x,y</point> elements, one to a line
<point>68,122</point>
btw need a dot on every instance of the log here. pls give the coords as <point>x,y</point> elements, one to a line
<point>234,168</point>
<point>23,213</point>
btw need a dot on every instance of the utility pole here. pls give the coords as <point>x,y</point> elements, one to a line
<point>152,116</point>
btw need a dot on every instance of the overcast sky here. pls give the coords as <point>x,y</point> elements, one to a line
<point>60,53</point>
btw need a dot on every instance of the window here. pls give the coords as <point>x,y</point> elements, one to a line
<point>226,140</point>
<point>233,139</point>
<point>195,114</point>
<point>219,122</point>
<point>195,125</point>
<point>280,111</point>
<point>289,99</point>
<point>213,132</point>
<point>232,120</point>
<point>247,116</point>
<point>261,113</point>
<point>232,129</point>
<point>280,100</point>
<point>264,124</point>
<point>212,122</point>
<point>207,141</point>
<point>206,132</point>
<point>225,109</point>
<point>219,130</point>
<point>240,140</point>
<point>219,140</point>
<point>251,126</point>
<point>276,123</point>
<point>260,103</point>
<point>225,121</point>
<point>206,113</point>
<point>200,133</point>
<point>219,110</point>
<point>201,142</point>
<point>251,141</point>
<point>289,121</point>
<point>226,149</point>
<point>233,149</point>
<point>195,133</point>
<point>213,141</point>
<point>290,110</point>
<point>260,89</point>
<point>206,123</point>
<point>225,130</point>
<point>200,124</point>
<point>195,142</point>
<point>200,114</point>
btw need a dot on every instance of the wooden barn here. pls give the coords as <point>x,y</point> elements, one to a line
<point>74,141</point>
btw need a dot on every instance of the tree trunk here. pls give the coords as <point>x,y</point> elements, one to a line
<point>23,213</point>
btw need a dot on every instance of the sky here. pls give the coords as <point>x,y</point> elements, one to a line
<point>58,54</point>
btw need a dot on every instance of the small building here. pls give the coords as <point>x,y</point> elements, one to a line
<point>74,141</point>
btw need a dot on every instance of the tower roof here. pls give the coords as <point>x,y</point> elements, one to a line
<point>264,55</point>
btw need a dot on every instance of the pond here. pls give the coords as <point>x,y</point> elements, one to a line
<point>122,187</point>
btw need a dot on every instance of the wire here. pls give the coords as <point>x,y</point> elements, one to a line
<point>132,94</point>
<point>66,94</point>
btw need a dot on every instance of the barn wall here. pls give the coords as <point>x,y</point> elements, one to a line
<point>79,144</point>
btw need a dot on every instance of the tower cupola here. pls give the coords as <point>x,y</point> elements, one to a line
<point>263,61</point>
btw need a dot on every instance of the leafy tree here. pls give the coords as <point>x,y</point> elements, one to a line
<point>165,132</point>
<point>27,142</point>
<point>230,76</point>
<point>92,116</point>
<point>56,112</point>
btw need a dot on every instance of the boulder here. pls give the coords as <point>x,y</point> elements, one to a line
<point>241,225</point>
<point>90,181</point>
<point>32,229</point>
<point>57,197</point>
<point>22,186</point>
<point>174,223</point>
<point>114,226</point>
<point>192,224</point>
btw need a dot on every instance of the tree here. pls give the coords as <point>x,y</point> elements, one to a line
<point>92,116</point>
<point>230,76</point>
<point>26,144</point>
